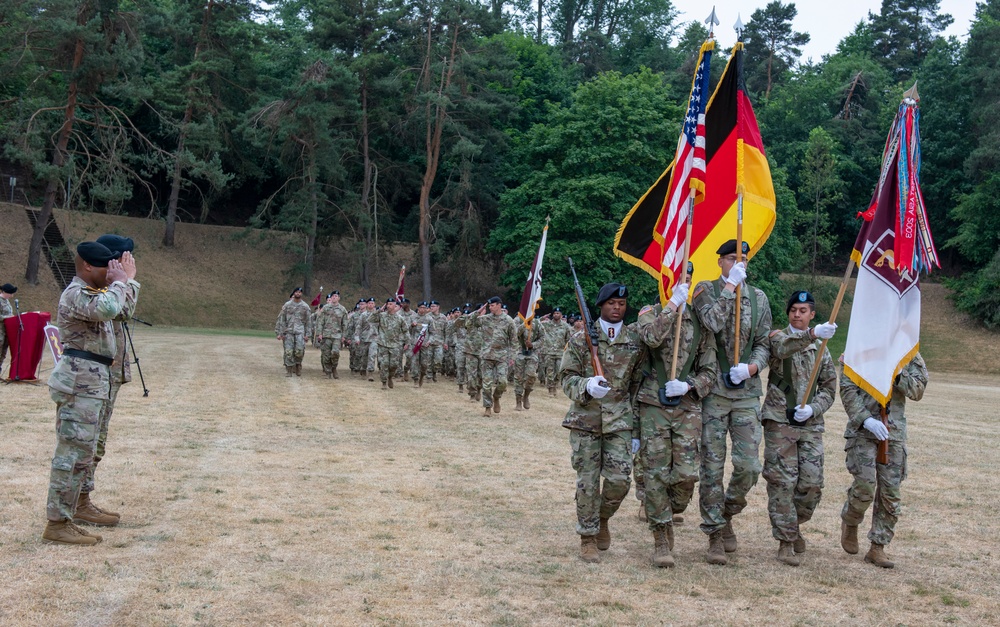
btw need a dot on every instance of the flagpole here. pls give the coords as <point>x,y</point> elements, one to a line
<point>680,310</point>
<point>833,319</point>
<point>739,257</point>
<point>739,202</point>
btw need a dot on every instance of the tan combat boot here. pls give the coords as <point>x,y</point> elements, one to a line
<point>552,391</point>
<point>371,375</point>
<point>849,537</point>
<point>520,406</point>
<point>434,376</point>
<point>334,373</point>
<point>488,412</point>
<point>64,532</point>
<point>420,381</point>
<point>603,536</point>
<point>716,551</point>
<point>385,385</point>
<point>678,519</point>
<point>876,555</point>
<point>461,388</point>
<point>496,403</point>
<point>390,383</point>
<point>289,371</point>
<point>298,370</point>
<point>89,513</point>
<point>786,554</point>
<point>588,550</point>
<point>800,544</point>
<point>729,537</point>
<point>527,405</point>
<point>661,557</point>
<point>670,537</point>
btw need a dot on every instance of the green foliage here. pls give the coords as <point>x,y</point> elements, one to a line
<point>978,293</point>
<point>772,47</point>
<point>783,250</point>
<point>903,33</point>
<point>820,190</point>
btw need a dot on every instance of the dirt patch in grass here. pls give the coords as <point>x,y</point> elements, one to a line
<point>248,497</point>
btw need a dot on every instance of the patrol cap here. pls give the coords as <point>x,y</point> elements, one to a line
<point>7,288</point>
<point>799,297</point>
<point>611,290</point>
<point>117,244</point>
<point>95,254</point>
<point>494,299</point>
<point>729,247</point>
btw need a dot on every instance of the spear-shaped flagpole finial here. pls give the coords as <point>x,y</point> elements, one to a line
<point>547,218</point>
<point>912,94</point>
<point>738,27</point>
<point>712,22</point>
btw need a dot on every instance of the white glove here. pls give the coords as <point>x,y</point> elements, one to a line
<point>737,274</point>
<point>739,373</point>
<point>676,388</point>
<point>803,413</point>
<point>680,295</point>
<point>825,331</point>
<point>635,445</point>
<point>595,389</point>
<point>875,426</point>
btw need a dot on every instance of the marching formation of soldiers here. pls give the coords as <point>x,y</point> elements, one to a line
<point>631,418</point>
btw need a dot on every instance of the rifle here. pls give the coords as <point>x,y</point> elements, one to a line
<point>588,324</point>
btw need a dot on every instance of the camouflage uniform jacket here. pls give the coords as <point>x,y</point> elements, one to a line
<point>718,316</point>
<point>859,404</point>
<point>293,319</point>
<point>797,346</point>
<point>622,360</point>
<point>557,335</point>
<point>365,332</point>
<point>435,333</point>
<point>84,320</point>
<point>392,329</point>
<point>657,330</point>
<point>473,335</point>
<point>6,311</point>
<point>537,337</point>
<point>499,335</point>
<point>332,322</point>
<point>417,325</point>
<point>459,332</point>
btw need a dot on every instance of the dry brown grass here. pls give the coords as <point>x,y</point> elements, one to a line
<point>251,498</point>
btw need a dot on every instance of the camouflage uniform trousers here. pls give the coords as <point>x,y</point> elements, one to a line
<point>595,456</point>
<point>437,356</point>
<point>329,354</point>
<point>671,440</point>
<point>793,469</point>
<point>354,349</point>
<point>78,424</point>
<point>102,437</point>
<point>548,370</point>
<point>459,363</point>
<point>525,372</point>
<point>422,362</point>
<point>389,360</point>
<point>295,348</point>
<point>473,372</point>
<point>363,349</point>
<point>372,364</point>
<point>861,464</point>
<point>494,374</point>
<point>741,420</point>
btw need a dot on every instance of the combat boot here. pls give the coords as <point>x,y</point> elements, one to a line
<point>588,550</point>
<point>876,555</point>
<point>298,370</point>
<point>678,519</point>
<point>479,395</point>
<point>334,374</point>
<point>434,376</point>
<point>289,371</point>
<point>527,405</point>
<point>496,403</point>
<point>661,556</point>
<point>716,551</point>
<point>670,537</point>
<point>461,388</point>
<point>64,532</point>
<point>800,544</point>
<point>552,391</point>
<point>88,512</point>
<point>729,537</point>
<point>849,537</point>
<point>371,375</point>
<point>420,383</point>
<point>487,412</point>
<point>786,554</point>
<point>520,403</point>
<point>603,536</point>
<point>385,385</point>
<point>390,383</point>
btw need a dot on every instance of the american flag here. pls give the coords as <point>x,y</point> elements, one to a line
<point>687,180</point>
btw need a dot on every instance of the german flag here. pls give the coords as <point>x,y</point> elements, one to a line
<point>735,163</point>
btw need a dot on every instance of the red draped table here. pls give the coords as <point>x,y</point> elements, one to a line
<point>26,345</point>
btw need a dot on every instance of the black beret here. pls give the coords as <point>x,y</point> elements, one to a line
<point>504,307</point>
<point>406,300</point>
<point>729,248</point>
<point>611,290</point>
<point>7,288</point>
<point>799,297</point>
<point>494,299</point>
<point>298,289</point>
<point>555,309</point>
<point>337,292</point>
<point>371,299</point>
<point>117,244</point>
<point>95,254</point>
<point>691,268</point>
<point>434,302</point>
<point>390,300</point>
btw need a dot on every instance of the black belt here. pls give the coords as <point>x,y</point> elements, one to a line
<point>89,356</point>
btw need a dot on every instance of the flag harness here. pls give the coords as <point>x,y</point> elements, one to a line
<point>724,364</point>
<point>661,369</point>
<point>784,384</point>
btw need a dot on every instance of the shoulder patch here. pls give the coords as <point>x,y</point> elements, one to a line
<point>645,310</point>
<point>698,291</point>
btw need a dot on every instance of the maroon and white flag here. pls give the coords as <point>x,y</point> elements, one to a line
<point>533,286</point>
<point>399,286</point>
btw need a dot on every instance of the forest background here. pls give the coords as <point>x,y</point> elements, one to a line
<point>459,126</point>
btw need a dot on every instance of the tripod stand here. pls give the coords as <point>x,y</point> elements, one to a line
<point>135,357</point>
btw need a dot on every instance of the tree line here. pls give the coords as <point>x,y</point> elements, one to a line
<point>460,125</point>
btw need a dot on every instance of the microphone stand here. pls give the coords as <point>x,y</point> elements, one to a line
<point>135,357</point>
<point>20,330</point>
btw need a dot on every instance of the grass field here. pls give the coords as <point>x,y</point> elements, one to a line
<point>250,498</point>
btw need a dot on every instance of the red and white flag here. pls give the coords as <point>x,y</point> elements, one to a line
<point>533,286</point>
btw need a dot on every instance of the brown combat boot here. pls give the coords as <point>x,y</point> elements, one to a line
<point>334,373</point>
<point>588,550</point>
<point>800,544</point>
<point>876,555</point>
<point>289,371</point>
<point>642,510</point>
<point>461,388</point>
<point>298,370</point>
<point>786,554</point>
<point>716,551</point>
<point>527,405</point>
<point>729,537</point>
<point>89,513</point>
<point>670,537</point>
<point>479,395</point>
<point>496,403</point>
<point>520,405</point>
<point>371,375</point>
<point>434,376</point>
<point>661,557</point>
<point>552,391</point>
<point>488,412</point>
<point>64,532</point>
<point>385,385</point>
<point>604,536</point>
<point>420,381</point>
<point>849,537</point>
<point>678,519</point>
<point>390,383</point>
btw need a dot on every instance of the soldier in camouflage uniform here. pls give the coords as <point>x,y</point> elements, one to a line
<point>367,337</point>
<point>499,338</point>
<point>459,336</point>
<point>292,328</point>
<point>603,428</point>
<point>671,434</point>
<point>407,357</point>
<point>330,332</point>
<point>423,359</point>
<point>864,431</point>
<point>735,411</point>
<point>793,440</point>
<point>473,347</point>
<point>6,311</point>
<point>437,343</point>
<point>557,332</point>
<point>80,384</point>
<point>392,334</point>
<point>530,340</point>
<point>349,327</point>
